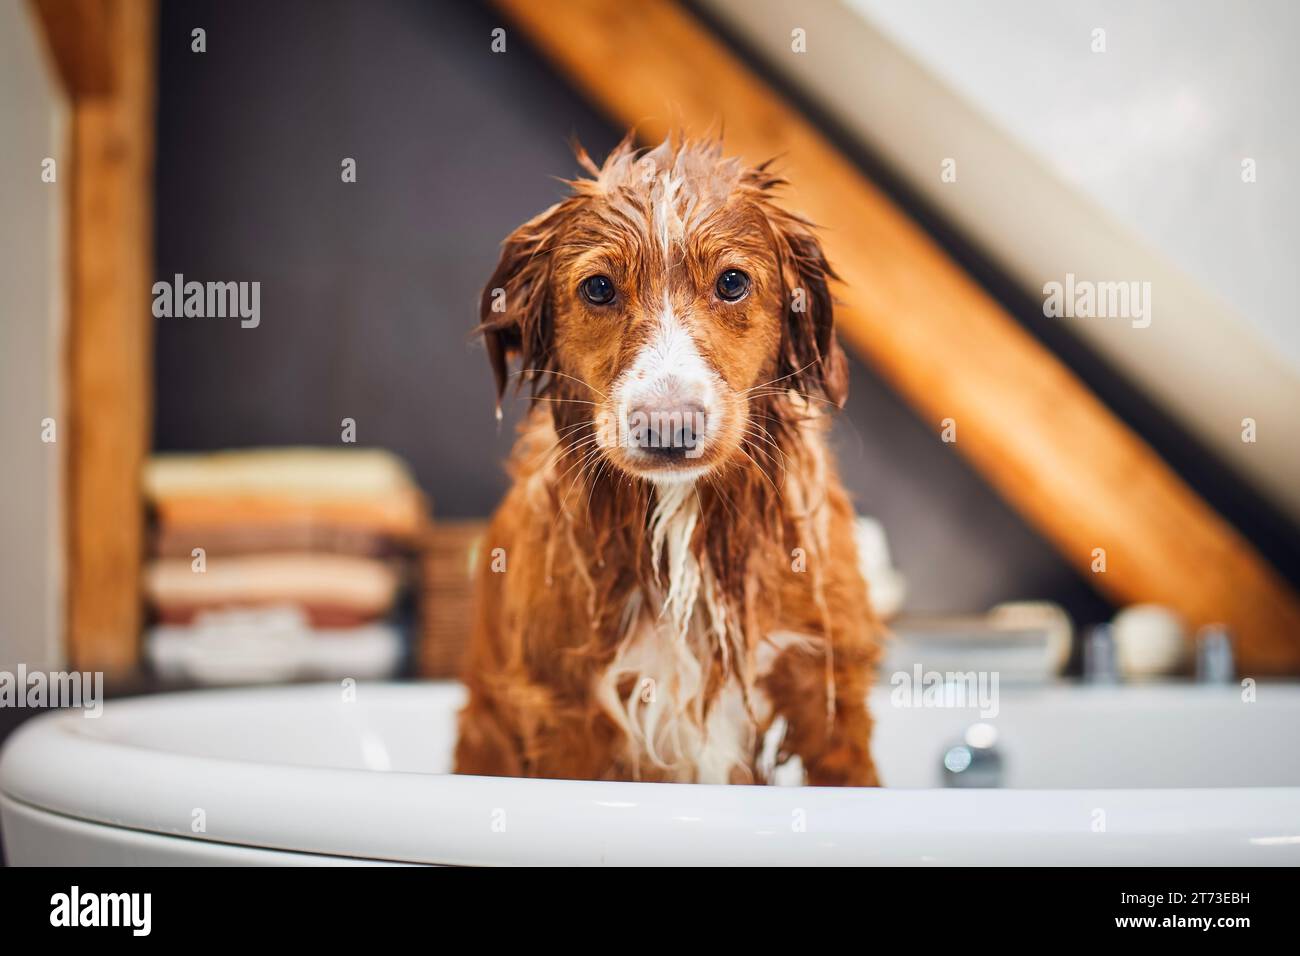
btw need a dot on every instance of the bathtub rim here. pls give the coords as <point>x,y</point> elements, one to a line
<point>442,818</point>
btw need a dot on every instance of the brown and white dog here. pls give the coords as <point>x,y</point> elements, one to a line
<point>670,590</point>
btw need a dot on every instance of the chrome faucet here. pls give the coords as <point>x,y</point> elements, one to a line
<point>1214,658</point>
<point>1100,660</point>
<point>976,761</point>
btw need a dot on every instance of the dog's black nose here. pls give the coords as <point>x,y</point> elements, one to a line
<point>667,431</point>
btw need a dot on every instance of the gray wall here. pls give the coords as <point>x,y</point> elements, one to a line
<point>368,290</point>
<point>33,123</point>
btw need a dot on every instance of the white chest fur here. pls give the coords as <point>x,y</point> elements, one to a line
<point>663,715</point>
<point>670,641</point>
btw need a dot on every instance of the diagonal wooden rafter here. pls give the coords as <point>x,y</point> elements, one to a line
<point>1031,428</point>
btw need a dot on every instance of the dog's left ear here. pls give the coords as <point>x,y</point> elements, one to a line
<point>811,357</point>
<point>515,310</point>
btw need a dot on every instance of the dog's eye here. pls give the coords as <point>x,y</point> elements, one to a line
<point>598,290</point>
<point>732,285</point>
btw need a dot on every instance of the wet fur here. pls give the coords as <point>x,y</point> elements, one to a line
<point>632,627</point>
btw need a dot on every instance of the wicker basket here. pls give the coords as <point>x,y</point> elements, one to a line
<point>446,595</point>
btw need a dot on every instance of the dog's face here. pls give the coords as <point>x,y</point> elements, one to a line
<point>660,305</point>
<point>670,326</point>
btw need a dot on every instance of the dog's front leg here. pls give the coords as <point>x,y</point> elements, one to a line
<point>832,743</point>
<point>486,744</point>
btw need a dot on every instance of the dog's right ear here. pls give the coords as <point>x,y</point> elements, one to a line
<point>515,310</point>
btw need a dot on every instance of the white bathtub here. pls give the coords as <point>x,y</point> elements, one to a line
<point>297,775</point>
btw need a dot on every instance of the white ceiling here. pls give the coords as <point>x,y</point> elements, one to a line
<point>1123,165</point>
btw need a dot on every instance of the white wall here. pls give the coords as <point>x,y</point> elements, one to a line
<point>33,122</point>
<point>1122,165</point>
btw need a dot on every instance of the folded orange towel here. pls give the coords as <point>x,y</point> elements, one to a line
<point>171,541</point>
<point>397,517</point>
<point>366,490</point>
<point>341,587</point>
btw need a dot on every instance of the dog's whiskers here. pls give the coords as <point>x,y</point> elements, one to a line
<point>753,432</point>
<point>574,401</point>
<point>783,377</point>
<point>551,371</point>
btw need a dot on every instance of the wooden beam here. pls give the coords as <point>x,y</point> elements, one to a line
<point>109,342</point>
<point>77,34</point>
<point>1035,432</point>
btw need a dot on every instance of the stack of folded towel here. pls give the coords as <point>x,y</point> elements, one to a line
<point>279,563</point>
